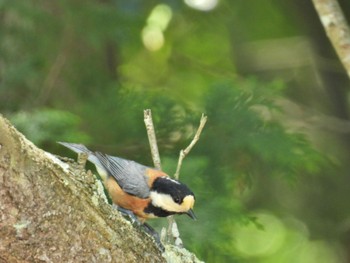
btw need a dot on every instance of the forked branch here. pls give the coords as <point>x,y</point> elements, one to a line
<point>185,152</point>
<point>172,232</point>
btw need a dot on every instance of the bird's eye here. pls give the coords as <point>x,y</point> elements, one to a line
<point>177,200</point>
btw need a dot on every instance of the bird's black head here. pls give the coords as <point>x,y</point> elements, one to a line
<point>172,196</point>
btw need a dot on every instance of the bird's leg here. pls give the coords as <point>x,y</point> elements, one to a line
<point>150,230</point>
<point>129,214</point>
<point>146,227</point>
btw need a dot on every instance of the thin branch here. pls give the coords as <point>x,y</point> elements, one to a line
<point>152,138</point>
<point>173,231</point>
<point>336,27</point>
<point>183,153</point>
<point>172,226</point>
<point>156,160</point>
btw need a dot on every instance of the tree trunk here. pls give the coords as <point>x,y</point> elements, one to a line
<point>52,212</point>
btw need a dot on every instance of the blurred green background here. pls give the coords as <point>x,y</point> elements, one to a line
<point>271,170</point>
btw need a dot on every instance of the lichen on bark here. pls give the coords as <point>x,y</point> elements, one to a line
<point>51,212</point>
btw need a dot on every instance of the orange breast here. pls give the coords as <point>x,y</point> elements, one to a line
<point>130,202</point>
<point>125,200</point>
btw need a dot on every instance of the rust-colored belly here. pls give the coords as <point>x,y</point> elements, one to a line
<point>125,200</point>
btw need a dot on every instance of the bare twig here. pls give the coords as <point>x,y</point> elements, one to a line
<point>152,138</point>
<point>195,139</point>
<point>172,226</point>
<point>156,160</point>
<point>173,231</point>
<point>336,27</point>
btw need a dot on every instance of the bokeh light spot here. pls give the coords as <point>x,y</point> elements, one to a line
<point>160,16</point>
<point>152,38</point>
<point>157,22</point>
<point>202,5</point>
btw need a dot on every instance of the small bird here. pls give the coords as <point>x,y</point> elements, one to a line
<point>145,191</point>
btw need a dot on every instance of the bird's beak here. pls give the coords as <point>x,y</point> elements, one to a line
<point>191,214</point>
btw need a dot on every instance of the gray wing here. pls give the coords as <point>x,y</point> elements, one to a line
<point>130,176</point>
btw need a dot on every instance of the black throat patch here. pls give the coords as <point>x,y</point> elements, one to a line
<point>157,211</point>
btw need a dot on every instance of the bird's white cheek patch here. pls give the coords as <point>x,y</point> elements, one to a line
<point>165,202</point>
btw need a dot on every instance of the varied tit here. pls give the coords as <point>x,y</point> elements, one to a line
<point>145,191</point>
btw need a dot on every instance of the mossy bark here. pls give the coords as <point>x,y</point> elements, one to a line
<point>52,212</point>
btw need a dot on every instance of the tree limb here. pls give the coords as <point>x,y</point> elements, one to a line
<point>53,212</point>
<point>336,27</point>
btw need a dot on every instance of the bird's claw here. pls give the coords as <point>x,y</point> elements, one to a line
<point>149,230</point>
<point>146,227</point>
<point>128,214</point>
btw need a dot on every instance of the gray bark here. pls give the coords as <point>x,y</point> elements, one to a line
<point>52,213</point>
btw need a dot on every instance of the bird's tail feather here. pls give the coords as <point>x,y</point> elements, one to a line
<point>80,148</point>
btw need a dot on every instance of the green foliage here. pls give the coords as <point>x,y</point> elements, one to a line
<point>48,126</point>
<point>241,146</point>
<point>248,142</point>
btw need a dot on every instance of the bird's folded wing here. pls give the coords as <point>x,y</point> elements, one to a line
<point>130,176</point>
